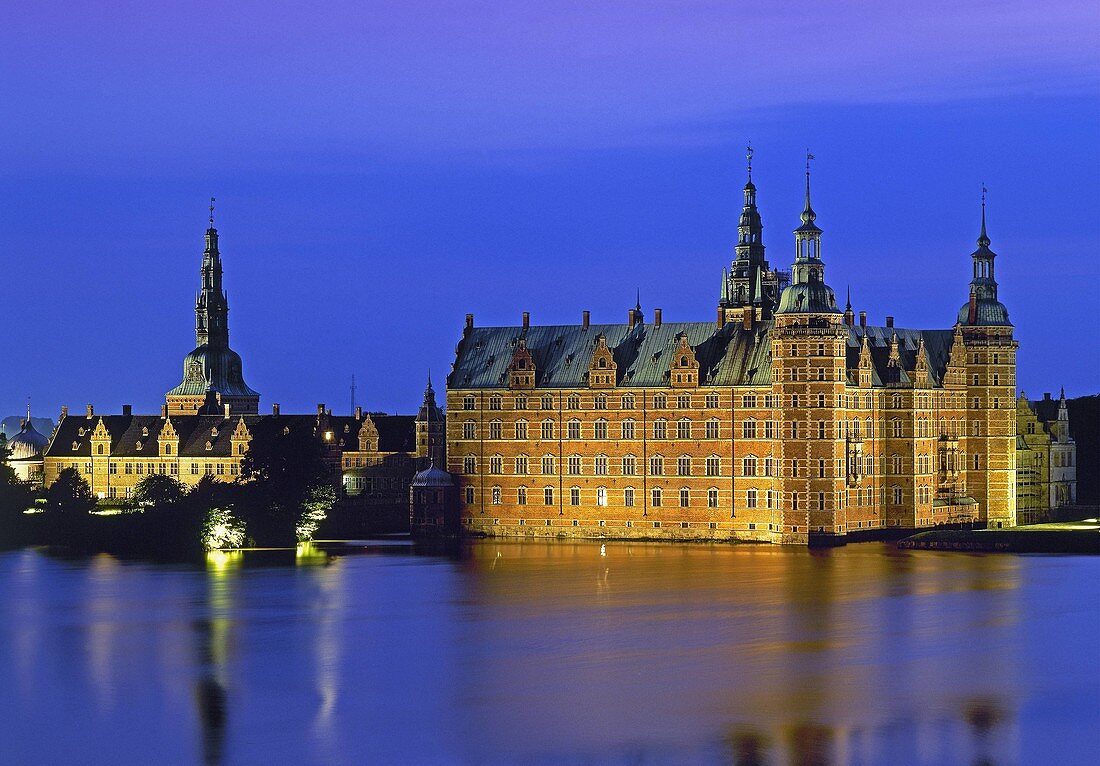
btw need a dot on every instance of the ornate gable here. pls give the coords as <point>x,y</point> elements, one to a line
<point>240,438</point>
<point>368,435</point>
<point>920,376</point>
<point>956,360</point>
<point>866,365</point>
<point>602,370</point>
<point>168,439</point>
<point>521,371</point>
<point>683,368</point>
<point>101,439</point>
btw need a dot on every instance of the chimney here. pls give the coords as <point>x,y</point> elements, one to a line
<point>275,409</point>
<point>127,410</point>
<point>585,318</point>
<point>889,321</point>
<point>358,413</point>
<point>91,411</point>
<point>631,318</point>
<point>1046,396</point>
<point>721,317</point>
<point>526,319</point>
<point>863,319</point>
<point>320,409</point>
<point>656,317</point>
<point>469,322</point>
<point>64,410</point>
<point>746,319</point>
<point>849,317</point>
<point>164,411</point>
<point>226,409</point>
<point>972,313</point>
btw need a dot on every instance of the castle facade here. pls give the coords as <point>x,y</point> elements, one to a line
<point>785,419</point>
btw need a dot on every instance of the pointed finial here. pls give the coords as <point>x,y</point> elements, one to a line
<point>808,158</point>
<point>29,408</point>
<point>638,303</point>
<point>211,212</point>
<point>748,158</point>
<point>848,306</point>
<point>983,238</point>
<point>1061,395</point>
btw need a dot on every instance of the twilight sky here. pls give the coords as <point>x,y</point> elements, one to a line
<point>382,168</point>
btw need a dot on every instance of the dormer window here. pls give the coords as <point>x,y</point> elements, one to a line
<point>209,446</point>
<point>138,444</point>
<point>80,432</point>
<point>145,431</point>
<point>76,445</point>
<point>286,430</point>
<point>214,432</point>
<point>346,429</point>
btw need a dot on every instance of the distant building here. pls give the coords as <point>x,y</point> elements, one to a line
<point>786,420</point>
<point>1046,458</point>
<point>25,451</point>
<point>433,504</point>
<point>212,367</point>
<point>210,419</point>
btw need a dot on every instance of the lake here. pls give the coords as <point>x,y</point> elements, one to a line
<point>547,653</point>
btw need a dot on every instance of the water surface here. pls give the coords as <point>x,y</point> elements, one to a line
<point>553,653</point>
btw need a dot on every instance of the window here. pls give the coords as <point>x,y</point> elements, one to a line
<point>821,501</point>
<point>548,429</point>
<point>685,497</point>
<point>750,498</point>
<point>895,465</point>
<point>660,429</point>
<point>977,461</point>
<point>748,466</point>
<point>547,402</point>
<point>628,402</point>
<point>573,429</point>
<point>712,497</point>
<point>469,465</point>
<point>548,496</point>
<point>630,465</point>
<point>769,429</point>
<point>628,429</point>
<point>129,469</point>
<point>897,495</point>
<point>628,497</point>
<point>771,498</point>
<point>495,402</point>
<point>601,401</point>
<point>574,465</point>
<point>821,429</point>
<point>548,465</point>
<point>821,400</point>
<point>469,430</point>
<point>683,466</point>
<point>712,428</point>
<point>467,402</point>
<point>769,466</point>
<point>521,402</point>
<point>683,429</point>
<point>660,401</point>
<point>495,429</point>
<point>220,469</point>
<point>683,401</point>
<point>521,465</point>
<point>521,496</point>
<point>600,465</point>
<point>496,464</point>
<point>495,494</point>
<point>712,401</point>
<point>714,466</point>
<point>574,402</point>
<point>469,495</point>
<point>112,467</point>
<point>194,469</point>
<point>794,401</point>
<point>655,497</point>
<point>656,465</point>
<point>600,429</point>
<point>521,429</point>
<point>574,495</point>
<point>895,428</point>
<point>748,401</point>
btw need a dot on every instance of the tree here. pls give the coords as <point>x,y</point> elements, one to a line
<point>70,495</point>
<point>15,497</point>
<point>282,472</point>
<point>158,491</point>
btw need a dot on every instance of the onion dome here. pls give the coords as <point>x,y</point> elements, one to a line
<point>28,443</point>
<point>432,477</point>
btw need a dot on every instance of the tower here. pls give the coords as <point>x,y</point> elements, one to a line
<point>212,366</point>
<point>990,351</point>
<point>808,379</point>
<point>430,431</point>
<point>749,286</point>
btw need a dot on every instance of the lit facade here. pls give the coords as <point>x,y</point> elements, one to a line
<point>784,420</point>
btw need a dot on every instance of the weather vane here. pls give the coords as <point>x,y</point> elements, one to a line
<point>211,211</point>
<point>984,190</point>
<point>808,158</point>
<point>748,156</point>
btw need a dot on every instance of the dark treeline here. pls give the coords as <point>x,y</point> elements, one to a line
<point>284,495</point>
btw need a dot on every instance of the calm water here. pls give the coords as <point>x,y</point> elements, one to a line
<point>554,653</point>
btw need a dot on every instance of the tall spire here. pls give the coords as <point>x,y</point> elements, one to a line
<point>808,215</point>
<point>748,159</point>
<point>638,303</point>
<point>983,238</point>
<point>848,303</point>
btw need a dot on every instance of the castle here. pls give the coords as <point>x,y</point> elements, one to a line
<point>211,418</point>
<point>784,420</point>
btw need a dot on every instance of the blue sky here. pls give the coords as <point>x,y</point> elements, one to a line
<point>382,169</point>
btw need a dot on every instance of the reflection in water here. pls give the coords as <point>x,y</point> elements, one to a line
<point>552,652</point>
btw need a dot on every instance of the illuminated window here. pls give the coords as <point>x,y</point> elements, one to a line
<point>495,495</point>
<point>601,498</point>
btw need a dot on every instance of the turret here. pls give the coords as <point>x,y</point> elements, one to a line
<point>983,308</point>
<point>808,293</point>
